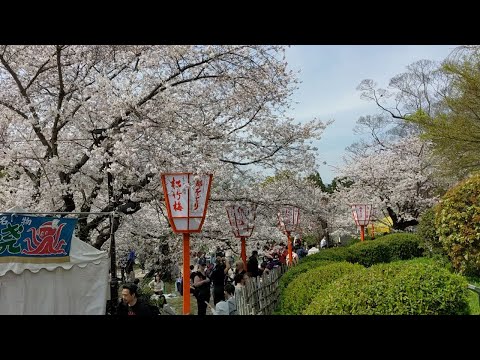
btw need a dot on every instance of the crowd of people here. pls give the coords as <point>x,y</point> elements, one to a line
<point>217,280</point>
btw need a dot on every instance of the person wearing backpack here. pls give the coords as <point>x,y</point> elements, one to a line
<point>201,283</point>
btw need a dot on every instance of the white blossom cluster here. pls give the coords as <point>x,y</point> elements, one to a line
<point>398,179</point>
<point>70,114</point>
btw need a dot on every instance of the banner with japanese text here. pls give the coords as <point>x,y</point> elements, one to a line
<point>26,238</point>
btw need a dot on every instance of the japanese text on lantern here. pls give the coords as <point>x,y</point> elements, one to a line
<point>241,216</point>
<point>287,219</point>
<point>198,193</point>
<point>176,193</point>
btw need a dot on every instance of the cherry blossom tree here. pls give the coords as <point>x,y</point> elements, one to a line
<point>397,179</point>
<point>390,166</point>
<point>70,114</point>
<point>150,232</point>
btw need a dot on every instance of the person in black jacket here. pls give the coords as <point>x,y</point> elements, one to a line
<point>201,283</point>
<point>131,304</point>
<point>252,264</point>
<point>217,276</point>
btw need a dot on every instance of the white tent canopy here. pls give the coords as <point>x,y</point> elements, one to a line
<point>76,287</point>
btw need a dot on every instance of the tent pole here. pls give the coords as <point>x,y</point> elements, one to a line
<point>113,262</point>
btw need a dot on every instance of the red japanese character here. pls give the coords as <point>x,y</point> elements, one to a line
<point>177,206</point>
<point>175,183</point>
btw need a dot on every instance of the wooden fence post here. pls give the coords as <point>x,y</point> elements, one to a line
<point>260,295</point>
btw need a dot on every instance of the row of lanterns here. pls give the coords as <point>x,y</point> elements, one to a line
<point>186,197</point>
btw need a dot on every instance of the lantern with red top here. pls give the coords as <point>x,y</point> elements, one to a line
<point>186,197</point>
<point>242,221</point>
<point>288,221</point>
<point>361,215</point>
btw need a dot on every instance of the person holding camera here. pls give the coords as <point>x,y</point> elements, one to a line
<point>218,275</point>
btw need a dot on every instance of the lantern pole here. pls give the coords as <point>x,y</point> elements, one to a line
<point>182,212</point>
<point>359,212</point>
<point>186,273</point>
<point>236,217</point>
<point>294,222</point>
<point>289,242</point>
<point>244,252</point>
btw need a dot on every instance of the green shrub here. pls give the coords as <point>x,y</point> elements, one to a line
<point>403,246</point>
<point>293,272</point>
<point>353,240</point>
<point>299,293</point>
<point>457,220</point>
<point>427,233</point>
<point>331,254</point>
<point>399,288</point>
<point>399,246</point>
<point>369,252</point>
<point>145,292</point>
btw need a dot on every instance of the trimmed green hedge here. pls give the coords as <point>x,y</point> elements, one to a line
<point>299,293</point>
<point>293,272</point>
<point>331,254</point>
<point>457,221</point>
<point>400,288</point>
<point>399,246</point>
<point>392,247</point>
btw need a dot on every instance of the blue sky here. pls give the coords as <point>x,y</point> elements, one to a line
<point>329,76</point>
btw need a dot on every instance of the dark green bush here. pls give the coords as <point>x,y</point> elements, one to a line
<point>145,292</point>
<point>400,288</point>
<point>331,254</point>
<point>392,247</point>
<point>399,246</point>
<point>427,233</point>
<point>299,293</point>
<point>457,221</point>
<point>293,272</point>
<point>369,252</point>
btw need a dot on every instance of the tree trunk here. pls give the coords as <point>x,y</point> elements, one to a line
<point>400,224</point>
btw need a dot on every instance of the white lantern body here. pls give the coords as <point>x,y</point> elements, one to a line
<point>242,219</point>
<point>361,213</point>
<point>186,197</point>
<point>288,218</point>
